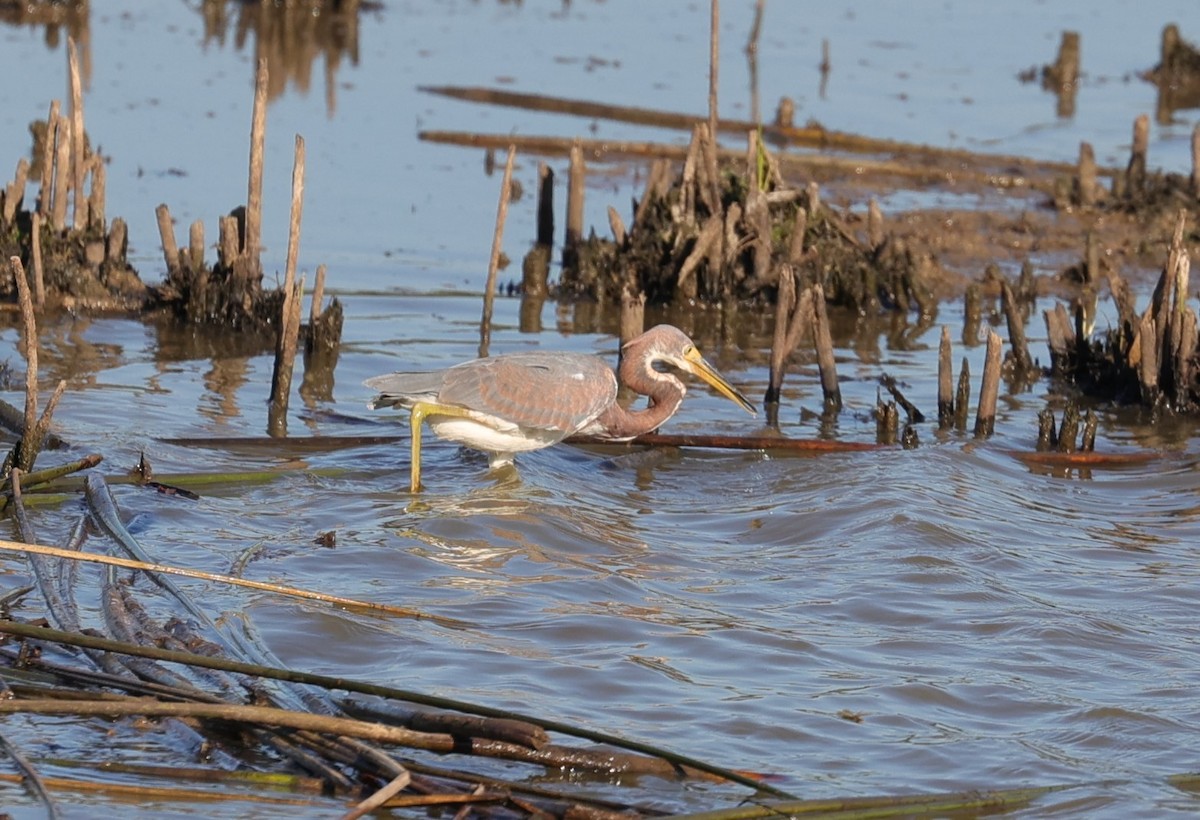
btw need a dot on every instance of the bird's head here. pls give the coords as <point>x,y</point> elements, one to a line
<point>666,346</point>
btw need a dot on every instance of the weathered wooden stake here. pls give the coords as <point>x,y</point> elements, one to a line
<point>545,205</point>
<point>288,336</point>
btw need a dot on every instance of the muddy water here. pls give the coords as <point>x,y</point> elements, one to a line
<point>887,622</point>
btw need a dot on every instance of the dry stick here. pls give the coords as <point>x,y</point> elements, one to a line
<point>826,363</point>
<point>289,325</point>
<point>262,715</point>
<point>77,136</point>
<point>617,226</point>
<point>813,136</point>
<point>166,233</point>
<point>30,777</point>
<point>945,382</point>
<point>714,61</point>
<point>779,443</point>
<point>35,250</point>
<point>489,288</point>
<point>989,391</point>
<point>397,785</point>
<point>130,563</point>
<point>318,296</point>
<point>26,450</point>
<point>252,241</point>
<point>1000,177</point>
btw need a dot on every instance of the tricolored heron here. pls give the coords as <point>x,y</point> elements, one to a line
<point>525,401</point>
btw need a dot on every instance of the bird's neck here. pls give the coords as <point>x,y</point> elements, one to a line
<point>665,397</point>
<point>619,423</point>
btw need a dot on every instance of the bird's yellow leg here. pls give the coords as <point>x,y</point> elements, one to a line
<point>421,411</point>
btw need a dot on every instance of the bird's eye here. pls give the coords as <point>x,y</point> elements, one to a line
<point>689,351</point>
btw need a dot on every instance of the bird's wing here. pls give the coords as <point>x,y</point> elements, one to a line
<point>558,392</point>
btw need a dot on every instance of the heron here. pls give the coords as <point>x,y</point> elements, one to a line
<point>517,402</point>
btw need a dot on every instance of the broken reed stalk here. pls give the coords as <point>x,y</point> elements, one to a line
<point>397,784</point>
<point>288,337</point>
<point>168,795</point>
<point>826,363</point>
<point>785,301</point>
<point>962,396</point>
<point>77,137</point>
<point>195,257</point>
<point>945,382</point>
<point>35,252</point>
<point>166,234</point>
<point>545,205</point>
<point>46,189</point>
<point>989,391</point>
<point>25,451</point>
<point>714,62</point>
<point>62,174</point>
<point>1022,362</point>
<point>489,288</point>
<point>252,241</point>
<point>1135,172</point>
<point>633,313</point>
<point>576,179</point>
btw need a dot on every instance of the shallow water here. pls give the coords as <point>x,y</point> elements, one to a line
<point>992,624</point>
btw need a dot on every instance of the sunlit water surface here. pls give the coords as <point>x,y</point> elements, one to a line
<point>943,618</point>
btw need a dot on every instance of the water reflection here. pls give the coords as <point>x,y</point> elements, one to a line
<point>291,37</point>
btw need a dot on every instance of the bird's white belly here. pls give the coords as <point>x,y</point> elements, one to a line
<point>500,444</point>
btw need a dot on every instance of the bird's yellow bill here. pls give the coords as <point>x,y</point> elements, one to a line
<point>705,371</point>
